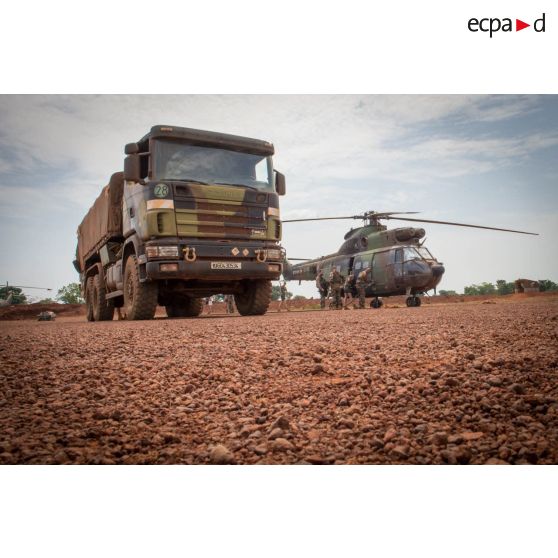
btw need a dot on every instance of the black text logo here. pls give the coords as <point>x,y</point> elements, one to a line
<point>494,25</point>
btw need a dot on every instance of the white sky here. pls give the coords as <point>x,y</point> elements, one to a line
<point>474,159</point>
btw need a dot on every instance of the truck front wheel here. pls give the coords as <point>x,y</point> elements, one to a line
<point>103,309</point>
<point>140,299</point>
<point>254,301</point>
<point>185,308</point>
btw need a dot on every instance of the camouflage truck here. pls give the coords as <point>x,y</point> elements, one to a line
<point>193,214</point>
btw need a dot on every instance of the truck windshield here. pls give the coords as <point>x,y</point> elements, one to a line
<point>177,161</point>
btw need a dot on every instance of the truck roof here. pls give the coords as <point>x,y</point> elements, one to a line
<point>213,139</point>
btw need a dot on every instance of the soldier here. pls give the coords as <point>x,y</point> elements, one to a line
<point>283,288</point>
<point>348,289</point>
<point>336,283</point>
<point>362,281</point>
<point>229,301</point>
<point>322,286</point>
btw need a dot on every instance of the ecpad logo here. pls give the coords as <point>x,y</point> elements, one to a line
<point>493,25</point>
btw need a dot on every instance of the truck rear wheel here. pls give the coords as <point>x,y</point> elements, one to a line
<point>89,299</point>
<point>140,299</point>
<point>103,309</point>
<point>256,298</point>
<point>187,307</point>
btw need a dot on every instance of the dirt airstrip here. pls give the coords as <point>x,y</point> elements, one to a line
<point>445,383</point>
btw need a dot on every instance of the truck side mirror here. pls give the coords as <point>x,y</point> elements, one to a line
<point>280,186</point>
<point>132,171</point>
<point>131,148</point>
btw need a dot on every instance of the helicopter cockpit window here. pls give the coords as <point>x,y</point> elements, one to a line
<point>398,258</point>
<point>410,254</point>
<point>425,253</point>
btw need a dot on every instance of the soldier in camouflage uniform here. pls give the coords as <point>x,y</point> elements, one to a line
<point>362,281</point>
<point>336,283</point>
<point>348,290</point>
<point>229,301</point>
<point>283,294</point>
<point>322,286</point>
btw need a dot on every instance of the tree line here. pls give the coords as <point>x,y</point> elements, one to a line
<point>502,287</point>
<point>71,293</point>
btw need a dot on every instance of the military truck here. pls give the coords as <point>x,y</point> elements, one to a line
<point>193,214</point>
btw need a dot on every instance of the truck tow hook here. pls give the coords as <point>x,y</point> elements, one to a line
<point>261,255</point>
<point>190,254</point>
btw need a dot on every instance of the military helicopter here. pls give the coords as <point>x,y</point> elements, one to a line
<point>400,264</point>
<point>10,293</point>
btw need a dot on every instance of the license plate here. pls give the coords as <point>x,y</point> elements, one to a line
<point>226,265</point>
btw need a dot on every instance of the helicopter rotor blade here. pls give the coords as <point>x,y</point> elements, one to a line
<point>24,287</point>
<point>318,219</point>
<point>367,215</point>
<point>299,259</point>
<point>458,225</point>
<point>380,214</point>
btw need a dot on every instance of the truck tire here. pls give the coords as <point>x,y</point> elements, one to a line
<point>140,299</point>
<point>103,309</point>
<point>185,308</point>
<point>89,299</point>
<point>255,300</point>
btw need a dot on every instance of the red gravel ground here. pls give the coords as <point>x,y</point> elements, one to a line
<point>444,383</point>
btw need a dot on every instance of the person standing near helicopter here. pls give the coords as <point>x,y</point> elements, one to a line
<point>322,286</point>
<point>348,290</point>
<point>283,295</point>
<point>336,283</point>
<point>363,279</point>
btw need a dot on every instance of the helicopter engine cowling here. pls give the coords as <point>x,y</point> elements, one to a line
<point>403,235</point>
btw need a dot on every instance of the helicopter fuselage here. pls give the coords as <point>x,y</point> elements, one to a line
<point>399,264</point>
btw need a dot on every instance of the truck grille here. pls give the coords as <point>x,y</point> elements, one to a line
<point>208,218</point>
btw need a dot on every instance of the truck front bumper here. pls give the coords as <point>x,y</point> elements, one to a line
<point>206,270</point>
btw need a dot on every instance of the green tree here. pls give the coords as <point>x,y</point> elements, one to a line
<point>504,288</point>
<point>70,294</point>
<point>482,289</point>
<point>547,285</point>
<point>471,290</point>
<point>18,297</point>
<point>47,301</point>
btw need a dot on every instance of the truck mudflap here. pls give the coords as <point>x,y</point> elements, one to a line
<point>212,270</point>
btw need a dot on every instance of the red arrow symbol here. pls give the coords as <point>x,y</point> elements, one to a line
<point>519,25</point>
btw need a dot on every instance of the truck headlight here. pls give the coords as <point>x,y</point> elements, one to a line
<point>161,252</point>
<point>152,251</point>
<point>168,251</point>
<point>274,254</point>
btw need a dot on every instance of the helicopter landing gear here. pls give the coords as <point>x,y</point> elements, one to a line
<point>376,303</point>
<point>413,301</point>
